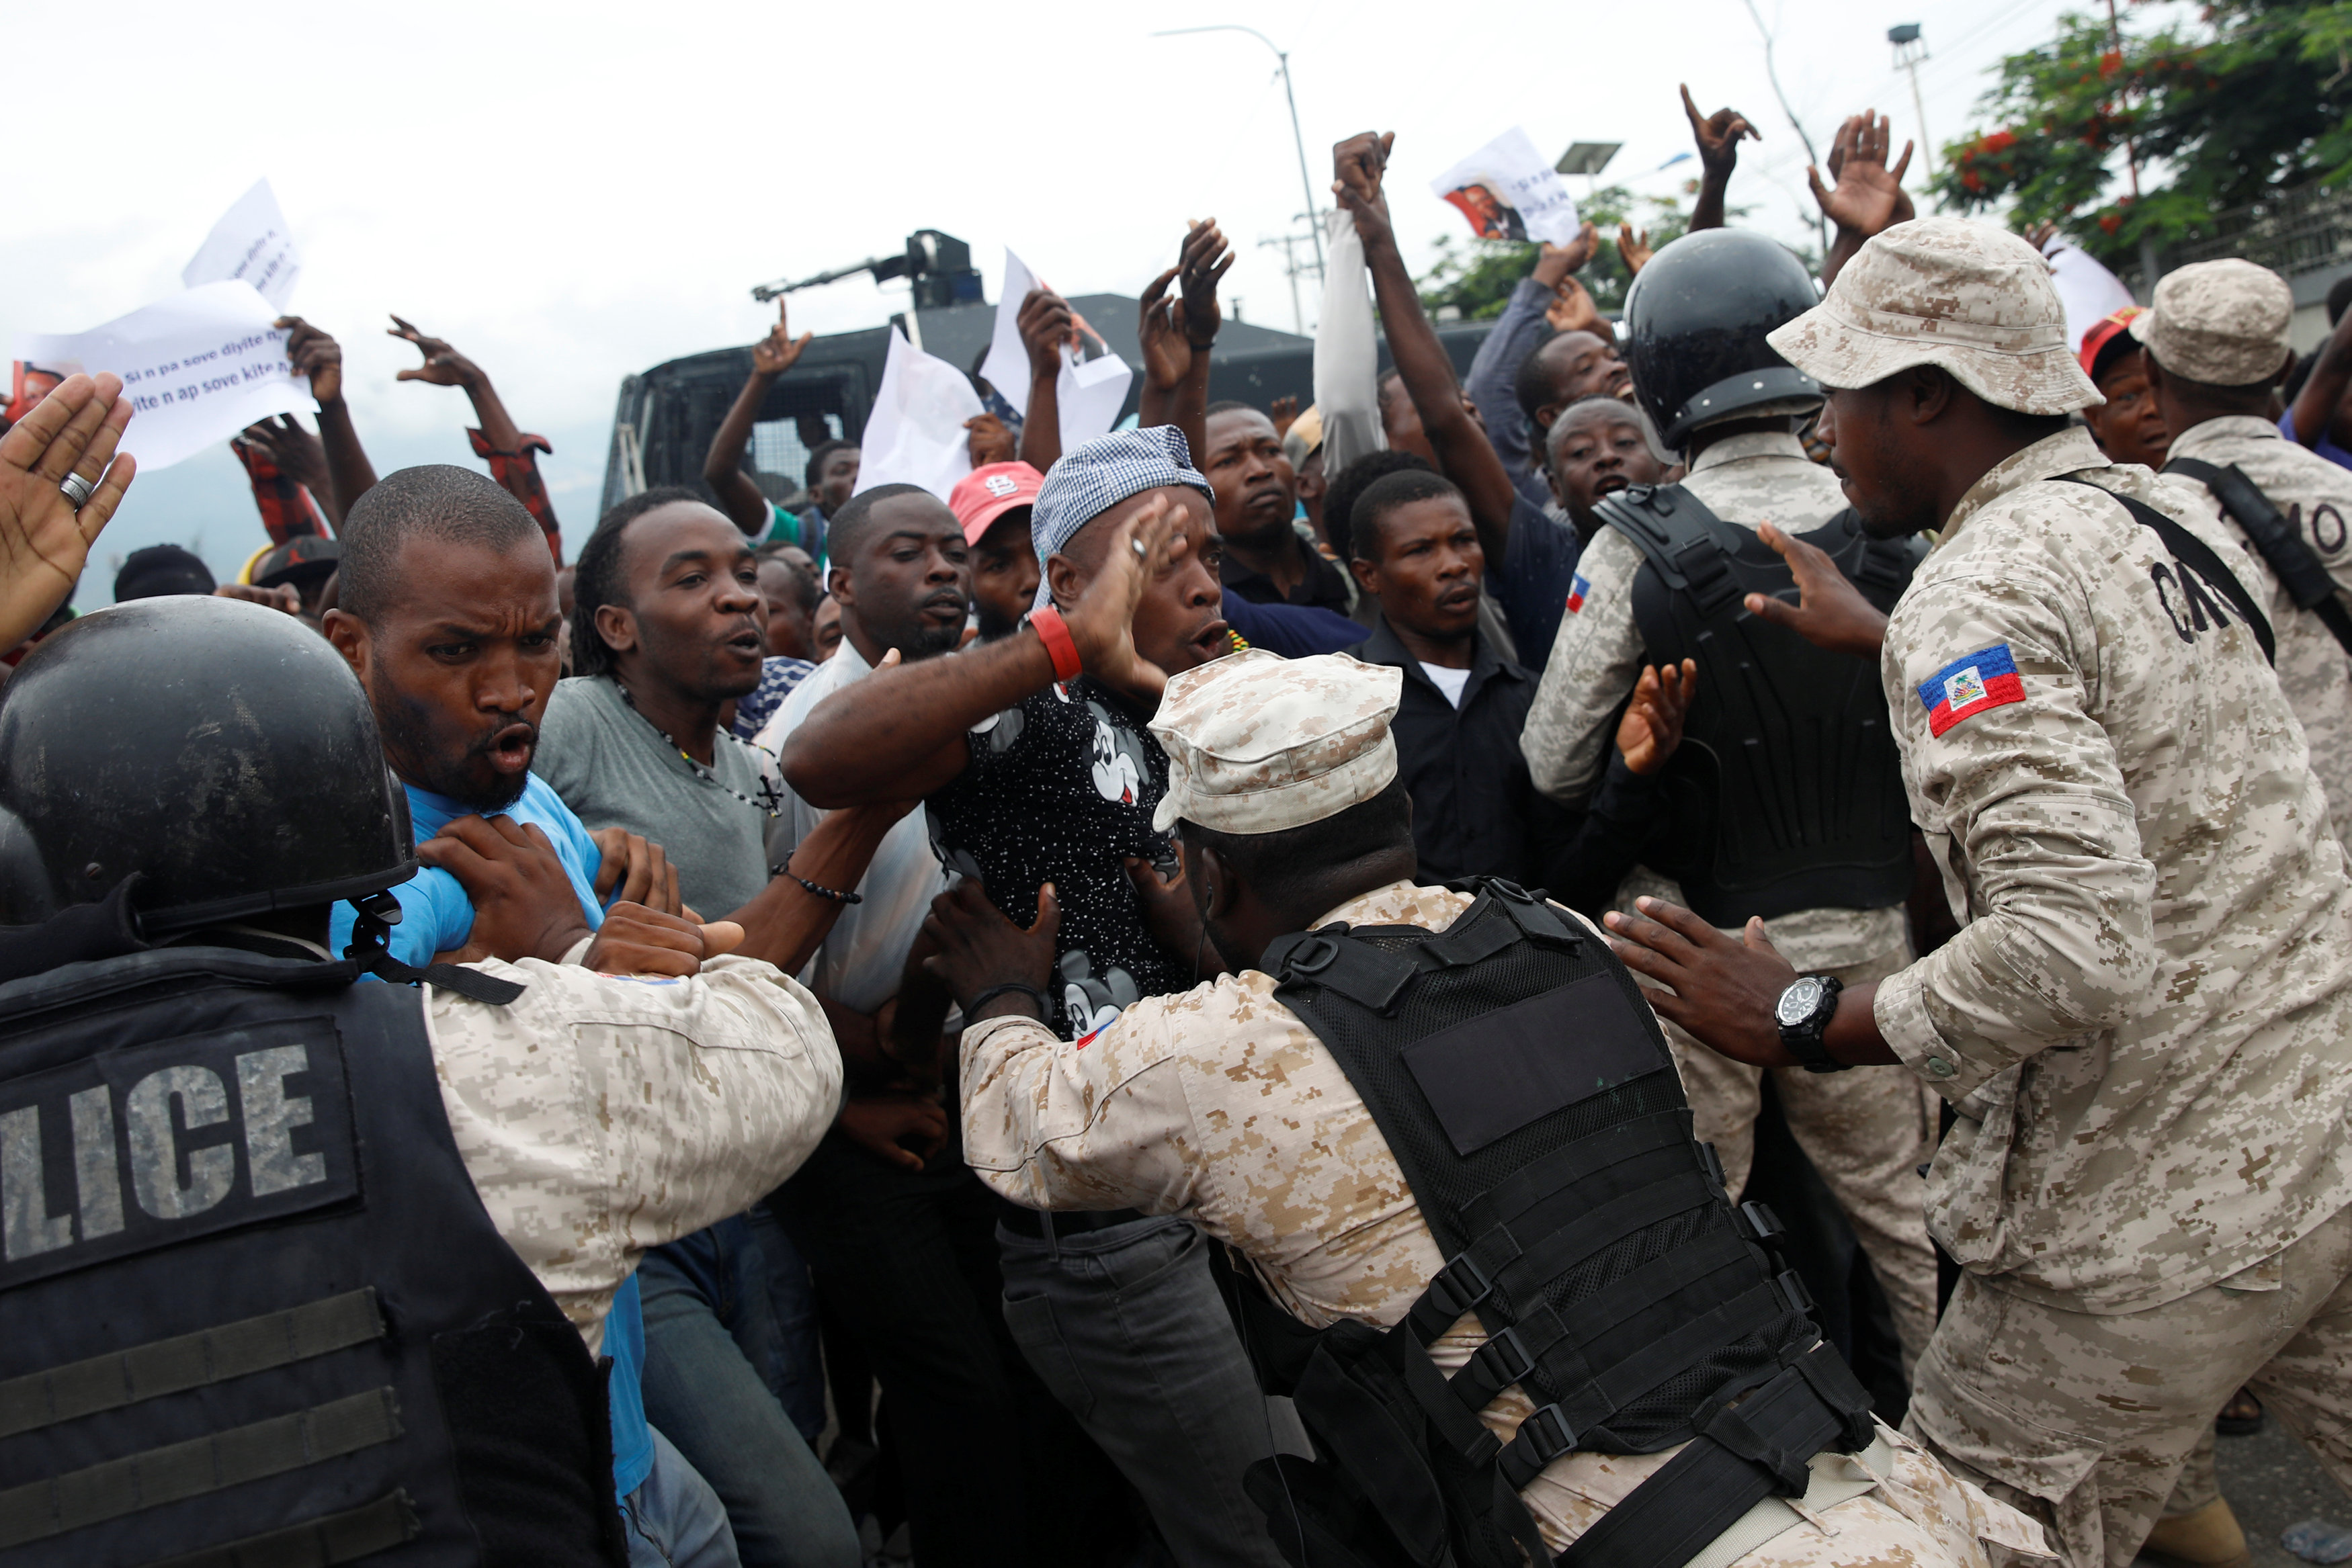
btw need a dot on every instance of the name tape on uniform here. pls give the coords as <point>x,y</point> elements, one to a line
<point>1968,685</point>
<point>131,1150</point>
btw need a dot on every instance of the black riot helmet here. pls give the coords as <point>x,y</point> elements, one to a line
<point>221,751</point>
<point>1696,321</point>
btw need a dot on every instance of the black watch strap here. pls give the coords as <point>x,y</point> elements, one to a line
<point>1803,1039</point>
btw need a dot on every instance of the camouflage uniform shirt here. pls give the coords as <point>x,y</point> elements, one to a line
<point>1221,1105</point>
<point>600,1115</point>
<point>2315,495</point>
<point>2143,1023</point>
<point>1760,478</point>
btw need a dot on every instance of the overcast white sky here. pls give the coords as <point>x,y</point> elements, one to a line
<point>570,192</point>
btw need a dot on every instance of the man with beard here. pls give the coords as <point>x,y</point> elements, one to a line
<point>458,682</point>
<point>1041,779</point>
<point>1266,561</point>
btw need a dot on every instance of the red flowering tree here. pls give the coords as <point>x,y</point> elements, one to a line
<point>2254,98</point>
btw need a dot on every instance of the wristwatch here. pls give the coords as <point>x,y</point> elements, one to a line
<point>1803,1012</point>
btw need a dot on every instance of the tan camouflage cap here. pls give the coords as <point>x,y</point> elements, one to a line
<point>1257,743</point>
<point>2222,322</point>
<point>1970,298</point>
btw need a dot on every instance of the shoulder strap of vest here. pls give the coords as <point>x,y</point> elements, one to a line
<point>1682,539</point>
<point>2299,570</point>
<point>2197,556</point>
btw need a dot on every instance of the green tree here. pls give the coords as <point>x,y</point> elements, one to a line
<point>1476,279</point>
<point>2254,98</point>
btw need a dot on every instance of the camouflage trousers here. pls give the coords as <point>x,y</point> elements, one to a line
<point>1867,1132</point>
<point>2086,1421</point>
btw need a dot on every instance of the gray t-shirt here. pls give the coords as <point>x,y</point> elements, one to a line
<point>612,767</point>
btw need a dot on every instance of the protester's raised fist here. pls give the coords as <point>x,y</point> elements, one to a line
<point>1201,266</point>
<point>1047,328</point>
<point>314,355</point>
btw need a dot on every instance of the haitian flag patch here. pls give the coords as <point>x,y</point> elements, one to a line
<point>1578,587</point>
<point>1968,685</point>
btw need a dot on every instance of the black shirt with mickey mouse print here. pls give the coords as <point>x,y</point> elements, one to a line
<point>1061,789</point>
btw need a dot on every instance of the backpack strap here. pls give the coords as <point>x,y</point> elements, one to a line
<point>2197,556</point>
<point>1687,544</point>
<point>2299,570</point>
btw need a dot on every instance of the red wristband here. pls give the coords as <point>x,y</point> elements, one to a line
<point>1055,632</point>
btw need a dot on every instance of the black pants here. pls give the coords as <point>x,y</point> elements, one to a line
<point>995,1470</point>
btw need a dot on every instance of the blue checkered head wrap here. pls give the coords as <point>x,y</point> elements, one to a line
<point>1096,475</point>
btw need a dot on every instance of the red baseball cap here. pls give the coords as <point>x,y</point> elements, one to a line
<point>2103,332</point>
<point>986,494</point>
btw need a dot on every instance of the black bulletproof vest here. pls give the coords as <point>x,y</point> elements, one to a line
<point>1787,787</point>
<point>1527,1094</point>
<point>252,1311</point>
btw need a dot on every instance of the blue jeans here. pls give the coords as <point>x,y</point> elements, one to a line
<point>1127,1327</point>
<point>674,1520</point>
<point>710,1340</point>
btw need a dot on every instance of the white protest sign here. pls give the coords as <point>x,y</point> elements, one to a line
<point>915,435</point>
<point>197,368</point>
<point>1089,392</point>
<point>1509,191</point>
<point>1007,366</point>
<point>250,242</point>
<point>2087,291</point>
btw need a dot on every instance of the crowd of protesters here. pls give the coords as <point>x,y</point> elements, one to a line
<point>859,724</point>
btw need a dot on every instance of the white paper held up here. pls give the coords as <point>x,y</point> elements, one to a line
<point>250,242</point>
<point>2087,291</point>
<point>1509,191</point>
<point>198,368</point>
<point>1007,366</point>
<point>915,435</point>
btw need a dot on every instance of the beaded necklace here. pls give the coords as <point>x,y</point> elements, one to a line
<point>770,801</point>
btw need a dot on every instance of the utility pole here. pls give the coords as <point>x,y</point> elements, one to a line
<point>1291,267</point>
<point>1910,49</point>
<point>2148,264</point>
<point>1306,180</point>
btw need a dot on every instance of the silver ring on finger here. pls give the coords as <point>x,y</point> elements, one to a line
<point>78,490</point>
<point>1140,547</point>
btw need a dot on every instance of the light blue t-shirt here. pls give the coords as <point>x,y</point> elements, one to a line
<point>625,1341</point>
<point>436,918</point>
<point>436,915</point>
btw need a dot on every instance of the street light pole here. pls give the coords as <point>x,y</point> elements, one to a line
<point>1306,180</point>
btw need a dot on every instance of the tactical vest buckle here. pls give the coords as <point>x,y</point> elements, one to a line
<point>1792,1291</point>
<point>1311,956</point>
<point>1459,1286</point>
<point>1711,1163</point>
<point>1495,1359</point>
<point>1763,1224</point>
<point>1542,1437</point>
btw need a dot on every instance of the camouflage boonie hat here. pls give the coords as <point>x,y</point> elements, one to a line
<point>1257,743</point>
<point>2221,323</point>
<point>1970,298</point>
